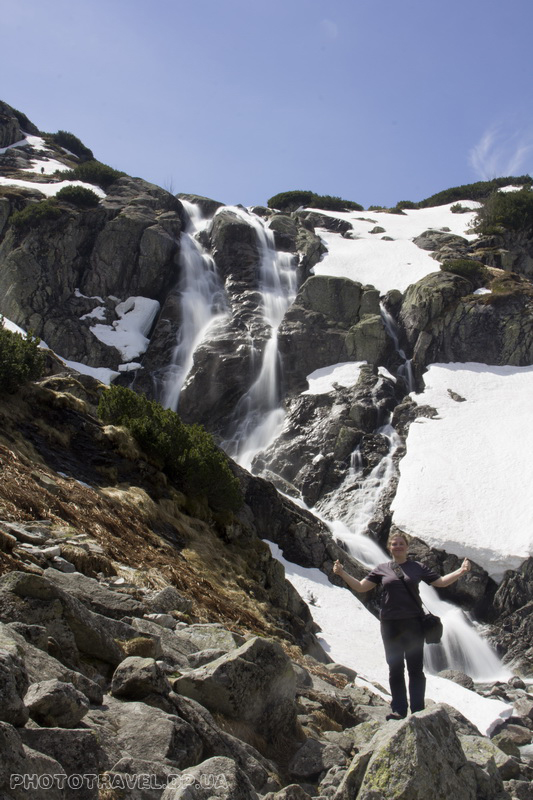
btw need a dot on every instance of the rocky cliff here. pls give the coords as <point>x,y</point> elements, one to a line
<point>124,600</point>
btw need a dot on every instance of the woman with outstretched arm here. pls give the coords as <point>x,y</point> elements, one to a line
<point>401,618</point>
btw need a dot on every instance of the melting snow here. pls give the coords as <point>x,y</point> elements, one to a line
<point>128,334</point>
<point>370,259</point>
<point>50,189</point>
<point>322,381</point>
<point>463,485</point>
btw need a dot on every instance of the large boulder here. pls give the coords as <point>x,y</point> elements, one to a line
<point>33,599</point>
<point>41,666</point>
<point>217,778</point>
<point>142,731</point>
<point>416,759</point>
<point>255,685</point>
<point>13,684</point>
<point>55,704</point>
<point>24,772</point>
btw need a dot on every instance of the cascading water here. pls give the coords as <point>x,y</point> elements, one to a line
<point>405,371</point>
<point>462,648</point>
<point>259,415</point>
<point>202,301</point>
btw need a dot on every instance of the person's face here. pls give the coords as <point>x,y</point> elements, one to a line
<point>398,546</point>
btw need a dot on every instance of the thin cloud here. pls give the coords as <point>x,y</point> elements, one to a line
<point>330,29</point>
<point>500,153</point>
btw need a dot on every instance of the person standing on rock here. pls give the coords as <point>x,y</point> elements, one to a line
<point>401,618</point>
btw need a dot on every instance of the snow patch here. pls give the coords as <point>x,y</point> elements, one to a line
<point>323,380</point>
<point>463,488</point>
<point>128,333</point>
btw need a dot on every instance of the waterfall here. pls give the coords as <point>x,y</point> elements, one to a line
<point>202,301</point>
<point>405,371</point>
<point>462,648</point>
<point>259,414</point>
<point>364,492</point>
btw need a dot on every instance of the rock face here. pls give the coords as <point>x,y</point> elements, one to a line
<point>13,125</point>
<point>513,614</point>
<point>85,260</point>
<point>444,321</point>
<point>331,320</point>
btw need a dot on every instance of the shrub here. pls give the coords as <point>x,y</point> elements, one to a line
<point>329,203</point>
<point>290,201</point>
<point>457,208</point>
<point>72,143</point>
<point>474,271</point>
<point>473,191</point>
<point>79,196</point>
<point>34,214</point>
<point>512,211</point>
<point>93,172</point>
<point>406,204</point>
<point>186,453</point>
<point>21,360</point>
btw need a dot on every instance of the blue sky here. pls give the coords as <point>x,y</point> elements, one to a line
<point>240,99</point>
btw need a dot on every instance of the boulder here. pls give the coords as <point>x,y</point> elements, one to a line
<point>437,239</point>
<point>25,772</point>
<point>54,704</point>
<point>13,684</point>
<point>314,758</point>
<point>143,731</point>
<point>40,665</point>
<point>32,598</point>
<point>167,600</point>
<point>485,753</point>
<point>216,742</point>
<point>417,758</point>
<point>443,321</point>
<point>254,684</point>
<point>77,751</point>
<point>216,778</point>
<point>135,678</point>
<point>96,596</point>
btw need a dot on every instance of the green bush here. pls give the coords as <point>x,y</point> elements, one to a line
<point>512,211</point>
<point>34,214</point>
<point>93,172</point>
<point>290,201</point>
<point>186,453</point>
<point>21,359</point>
<point>403,204</point>
<point>473,191</point>
<point>474,271</point>
<point>329,203</point>
<point>79,196</point>
<point>72,143</point>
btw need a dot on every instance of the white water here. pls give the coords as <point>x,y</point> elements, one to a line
<point>406,369</point>
<point>259,415</point>
<point>202,302</point>
<point>462,648</point>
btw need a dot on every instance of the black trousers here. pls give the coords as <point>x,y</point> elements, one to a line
<point>404,642</point>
